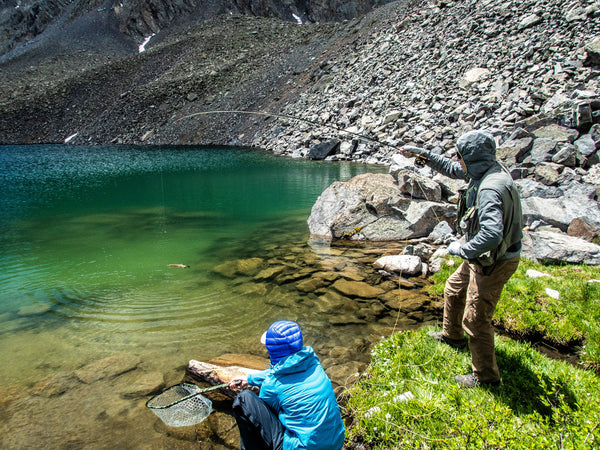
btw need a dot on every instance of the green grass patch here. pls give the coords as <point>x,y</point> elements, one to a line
<point>527,309</point>
<point>542,403</point>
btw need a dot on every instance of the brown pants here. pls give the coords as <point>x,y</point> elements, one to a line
<point>470,299</point>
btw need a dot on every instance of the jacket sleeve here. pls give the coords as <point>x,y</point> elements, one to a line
<point>491,225</point>
<point>257,379</point>
<point>444,165</point>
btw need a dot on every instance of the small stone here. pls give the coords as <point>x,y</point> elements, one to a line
<point>529,21</point>
<point>536,274</point>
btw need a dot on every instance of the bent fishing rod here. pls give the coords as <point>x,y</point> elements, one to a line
<point>419,158</point>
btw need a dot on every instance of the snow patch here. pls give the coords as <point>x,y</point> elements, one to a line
<point>142,47</point>
<point>298,19</point>
<point>70,137</point>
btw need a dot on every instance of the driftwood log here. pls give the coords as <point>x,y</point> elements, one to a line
<point>224,371</point>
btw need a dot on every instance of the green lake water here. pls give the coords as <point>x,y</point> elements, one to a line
<point>87,235</point>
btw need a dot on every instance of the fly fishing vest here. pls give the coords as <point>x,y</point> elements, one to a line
<point>497,179</point>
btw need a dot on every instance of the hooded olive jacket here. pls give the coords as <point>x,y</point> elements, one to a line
<point>496,222</point>
<point>300,392</point>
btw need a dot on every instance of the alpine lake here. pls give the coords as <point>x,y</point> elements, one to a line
<point>95,319</point>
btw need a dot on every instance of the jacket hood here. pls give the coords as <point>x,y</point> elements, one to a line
<point>478,150</point>
<point>283,338</point>
<point>297,362</point>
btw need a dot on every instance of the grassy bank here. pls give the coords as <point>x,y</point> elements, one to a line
<point>528,308</point>
<point>542,403</point>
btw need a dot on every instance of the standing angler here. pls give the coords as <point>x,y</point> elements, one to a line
<point>490,216</point>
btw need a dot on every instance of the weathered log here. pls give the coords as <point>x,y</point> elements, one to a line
<point>214,374</point>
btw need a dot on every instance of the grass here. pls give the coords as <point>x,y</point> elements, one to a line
<point>526,309</point>
<point>542,403</point>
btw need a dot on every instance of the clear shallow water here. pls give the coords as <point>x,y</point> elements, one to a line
<point>86,238</point>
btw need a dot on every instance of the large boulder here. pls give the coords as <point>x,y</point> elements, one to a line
<point>555,248</point>
<point>558,206</point>
<point>372,207</point>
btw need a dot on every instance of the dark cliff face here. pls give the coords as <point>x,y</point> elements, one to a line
<point>25,22</point>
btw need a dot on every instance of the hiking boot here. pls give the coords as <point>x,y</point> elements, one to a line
<point>454,343</point>
<point>470,381</point>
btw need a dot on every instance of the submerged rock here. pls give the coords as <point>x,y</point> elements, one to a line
<point>109,367</point>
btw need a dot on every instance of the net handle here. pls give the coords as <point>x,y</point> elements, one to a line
<point>187,397</point>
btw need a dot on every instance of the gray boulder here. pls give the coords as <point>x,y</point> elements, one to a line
<point>323,150</point>
<point>558,206</point>
<point>371,207</point>
<point>593,53</point>
<point>553,248</point>
<point>416,186</point>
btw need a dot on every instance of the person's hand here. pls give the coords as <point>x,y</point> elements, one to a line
<point>454,248</point>
<point>410,150</point>
<point>238,383</point>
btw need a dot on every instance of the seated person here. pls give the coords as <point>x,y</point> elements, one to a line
<point>297,407</point>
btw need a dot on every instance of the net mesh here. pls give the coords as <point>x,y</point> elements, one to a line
<point>175,410</point>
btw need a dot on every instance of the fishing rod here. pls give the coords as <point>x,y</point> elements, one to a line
<point>360,136</point>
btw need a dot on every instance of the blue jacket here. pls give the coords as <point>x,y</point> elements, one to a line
<point>298,389</point>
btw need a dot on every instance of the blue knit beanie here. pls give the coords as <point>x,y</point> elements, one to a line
<point>283,338</point>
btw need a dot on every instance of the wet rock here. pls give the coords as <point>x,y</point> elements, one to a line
<point>311,284</point>
<point>347,319</point>
<point>356,289</point>
<point>55,385</point>
<point>144,385</point>
<point>404,300</point>
<point>35,309</point>
<point>345,374</point>
<point>245,267</point>
<point>269,273</point>
<point>109,367</point>
<point>333,303</point>
<point>252,289</point>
